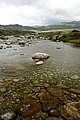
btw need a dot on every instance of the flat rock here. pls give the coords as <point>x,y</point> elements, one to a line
<point>8,70</point>
<point>39,63</point>
<point>74,90</point>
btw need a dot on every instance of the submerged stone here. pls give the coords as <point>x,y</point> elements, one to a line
<point>8,116</point>
<point>54,91</point>
<point>28,107</point>
<point>71,111</point>
<point>55,112</point>
<point>74,90</point>
<point>8,70</point>
<point>49,102</point>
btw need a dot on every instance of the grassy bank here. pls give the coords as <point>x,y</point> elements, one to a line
<point>75,41</point>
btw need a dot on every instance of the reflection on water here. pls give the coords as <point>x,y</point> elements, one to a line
<point>63,62</point>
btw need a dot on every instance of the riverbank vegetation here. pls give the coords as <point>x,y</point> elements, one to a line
<point>71,36</point>
<point>65,35</point>
<point>16,33</point>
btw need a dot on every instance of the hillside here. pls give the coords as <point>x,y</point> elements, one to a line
<point>62,25</point>
<point>15,27</point>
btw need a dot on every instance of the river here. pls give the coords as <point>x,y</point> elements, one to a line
<point>63,64</point>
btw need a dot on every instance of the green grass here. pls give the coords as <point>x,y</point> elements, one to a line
<point>77,41</point>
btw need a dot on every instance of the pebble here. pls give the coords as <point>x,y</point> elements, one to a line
<point>46,85</point>
<point>3,89</point>
<point>16,80</point>
<point>73,96</point>
<point>74,77</point>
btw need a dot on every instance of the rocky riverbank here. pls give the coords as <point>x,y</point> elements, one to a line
<point>38,100</point>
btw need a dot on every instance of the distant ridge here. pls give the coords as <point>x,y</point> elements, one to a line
<point>62,25</point>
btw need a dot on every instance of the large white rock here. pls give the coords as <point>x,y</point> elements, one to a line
<point>40,56</point>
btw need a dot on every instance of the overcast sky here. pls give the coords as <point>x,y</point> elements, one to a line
<point>38,12</point>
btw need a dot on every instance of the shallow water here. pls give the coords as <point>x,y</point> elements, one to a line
<point>63,63</point>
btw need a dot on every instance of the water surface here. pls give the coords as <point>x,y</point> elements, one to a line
<point>64,62</point>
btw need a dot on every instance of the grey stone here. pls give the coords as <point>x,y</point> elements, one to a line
<point>49,102</point>
<point>8,116</point>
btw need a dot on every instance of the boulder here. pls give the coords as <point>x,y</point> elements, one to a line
<point>40,56</point>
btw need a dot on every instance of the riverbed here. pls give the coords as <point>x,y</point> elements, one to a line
<point>47,87</point>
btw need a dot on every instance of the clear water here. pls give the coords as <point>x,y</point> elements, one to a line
<point>63,63</point>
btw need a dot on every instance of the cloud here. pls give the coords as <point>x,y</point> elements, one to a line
<point>18,2</point>
<point>38,12</point>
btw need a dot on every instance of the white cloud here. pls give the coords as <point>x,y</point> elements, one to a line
<point>38,12</point>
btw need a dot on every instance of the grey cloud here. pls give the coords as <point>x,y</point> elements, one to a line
<point>61,12</point>
<point>18,2</point>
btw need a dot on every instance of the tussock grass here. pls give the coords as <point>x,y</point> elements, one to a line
<point>77,41</point>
